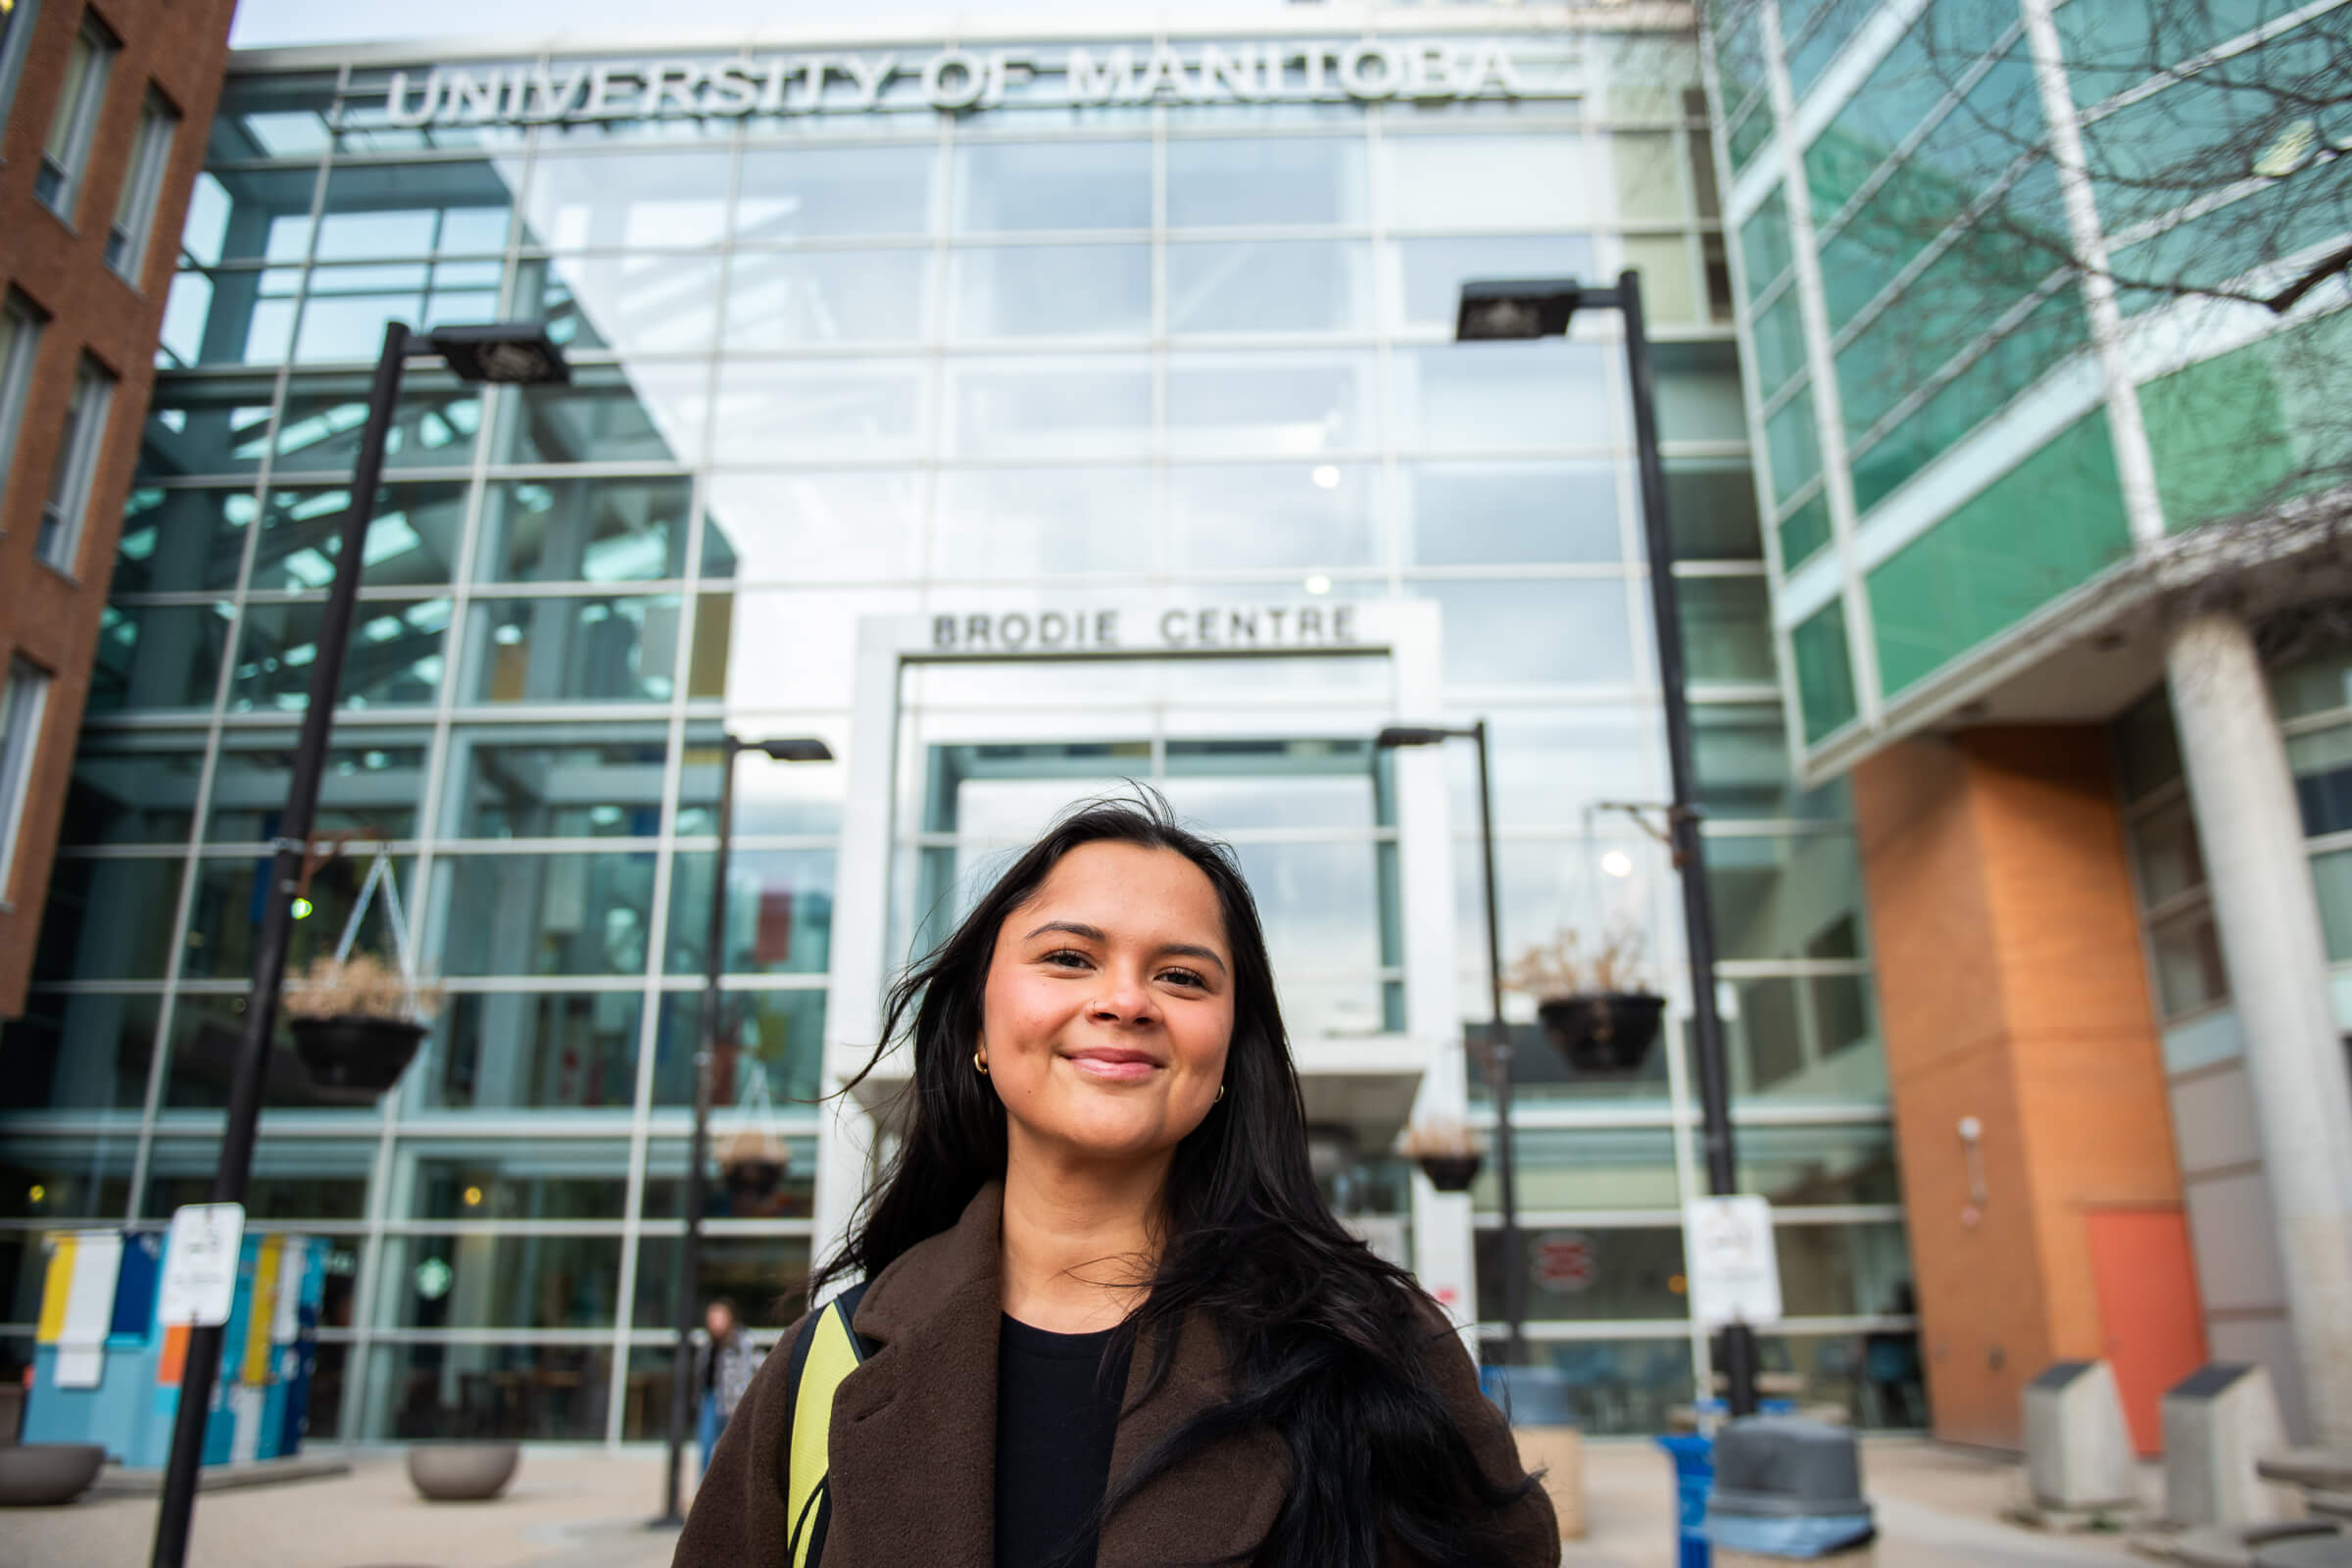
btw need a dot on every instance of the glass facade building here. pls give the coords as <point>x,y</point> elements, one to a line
<point>1135,350</point>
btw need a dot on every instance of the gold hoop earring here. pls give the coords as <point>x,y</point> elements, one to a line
<point>980,1063</point>
<point>1220,1093</point>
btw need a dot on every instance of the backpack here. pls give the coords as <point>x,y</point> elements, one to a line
<point>826,1351</point>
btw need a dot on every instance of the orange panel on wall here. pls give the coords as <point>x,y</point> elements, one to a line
<point>2152,1331</point>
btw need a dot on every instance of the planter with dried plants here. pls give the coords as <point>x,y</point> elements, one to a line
<point>1594,997</point>
<point>357,1021</point>
<point>1449,1151</point>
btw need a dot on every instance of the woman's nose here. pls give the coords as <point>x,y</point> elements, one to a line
<point>1127,1001</point>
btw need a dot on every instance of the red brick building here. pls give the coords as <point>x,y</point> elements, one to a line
<point>106,105</point>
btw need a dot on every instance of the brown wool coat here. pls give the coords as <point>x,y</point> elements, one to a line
<point>914,1434</point>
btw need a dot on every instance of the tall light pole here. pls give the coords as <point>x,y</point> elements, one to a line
<point>796,749</point>
<point>1528,308</point>
<point>1499,1037</point>
<point>508,352</point>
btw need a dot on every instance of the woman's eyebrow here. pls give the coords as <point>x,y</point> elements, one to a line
<point>1181,950</point>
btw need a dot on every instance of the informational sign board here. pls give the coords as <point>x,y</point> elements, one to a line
<point>1565,1262</point>
<point>200,1264</point>
<point>1735,1270</point>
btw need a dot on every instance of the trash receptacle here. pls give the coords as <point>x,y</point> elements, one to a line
<point>1694,1471</point>
<point>1787,1487</point>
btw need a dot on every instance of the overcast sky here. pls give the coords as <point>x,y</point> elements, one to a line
<point>264,24</point>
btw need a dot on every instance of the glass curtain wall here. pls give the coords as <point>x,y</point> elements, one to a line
<point>829,366</point>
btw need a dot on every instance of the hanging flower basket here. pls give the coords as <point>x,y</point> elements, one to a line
<point>1602,1031</point>
<point>1450,1173</point>
<point>354,1051</point>
<point>357,1023</point>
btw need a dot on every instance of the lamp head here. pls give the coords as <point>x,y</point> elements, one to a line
<point>795,748</point>
<point>1501,309</point>
<point>1396,735</point>
<point>511,353</point>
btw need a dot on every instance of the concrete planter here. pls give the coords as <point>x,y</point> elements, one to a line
<point>462,1472</point>
<point>43,1475</point>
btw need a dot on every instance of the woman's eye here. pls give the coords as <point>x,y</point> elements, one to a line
<point>1183,977</point>
<point>1066,959</point>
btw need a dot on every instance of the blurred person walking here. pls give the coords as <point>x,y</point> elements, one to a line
<point>724,1365</point>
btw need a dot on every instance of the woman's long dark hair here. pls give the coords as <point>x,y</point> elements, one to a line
<point>1325,1342</point>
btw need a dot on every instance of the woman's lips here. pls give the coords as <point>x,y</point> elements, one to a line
<point>1113,1066</point>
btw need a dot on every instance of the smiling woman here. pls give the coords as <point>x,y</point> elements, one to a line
<point>1101,1254</point>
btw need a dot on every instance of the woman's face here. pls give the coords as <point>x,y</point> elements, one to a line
<point>1110,1006</point>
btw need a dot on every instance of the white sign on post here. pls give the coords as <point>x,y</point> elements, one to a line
<point>200,1264</point>
<point>1734,1271</point>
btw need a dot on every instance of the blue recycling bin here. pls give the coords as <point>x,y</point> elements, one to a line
<point>1694,1459</point>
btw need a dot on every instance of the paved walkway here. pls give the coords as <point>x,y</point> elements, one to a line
<point>1938,1507</point>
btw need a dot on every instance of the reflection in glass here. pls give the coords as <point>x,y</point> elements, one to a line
<point>1483,396</point>
<point>1321,903</point>
<point>293,1179</point>
<point>206,427</point>
<point>630,303</point>
<point>412,538</point>
<point>384,211</point>
<point>1268,403</point>
<point>1778,897</point>
<point>1030,522</point>
<point>1698,393</point>
<point>1712,504</point>
<point>1844,1270</point>
<point>228,318</point>
<point>1051,291</point>
<point>1519,634</point>
<point>1740,756</point>
<point>779,918</point>
<point>1306,285</point>
<point>208,1039</point>
<point>626,200</point>
<point>771,411</point>
<point>157,656</point>
<point>1841,1164</point>
<point>791,1194</point>
<point>811,526</point>
<point>503,1179</point>
<point>84,1053</point>
<point>1615,1388</point>
<point>179,539</point>
<point>74,1179</point>
<point>1018,186</point>
<point>434,424</point>
<point>504,1050</point>
<point>1235,516</point>
<point>368,787</point>
<point>807,192</point>
<point>1527,179</point>
<point>578,912</point>
<point>1221,184</point>
<point>557,781</point>
<point>248,215</point>
<point>472,1281</point>
<point>1050,408</point>
<point>394,659</point>
<point>1503,514</point>
<point>225,914</point>
<point>784,298</point>
<point>612,649</point>
<point>1727,628</point>
<point>272,115</point>
<point>1431,272</point>
<point>783,650</point>
<point>512,1393</point>
<point>1805,1038</point>
<point>766,1277</point>
<point>130,789</point>
<point>1874,1377</point>
<point>1587,1167</point>
<point>776,1033</point>
<point>1626,1274</point>
<point>641,413</point>
<point>770,797</point>
<point>585,531</point>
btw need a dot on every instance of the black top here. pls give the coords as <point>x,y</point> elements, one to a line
<point>1057,1415</point>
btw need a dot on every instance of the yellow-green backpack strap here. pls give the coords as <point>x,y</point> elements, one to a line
<point>824,1352</point>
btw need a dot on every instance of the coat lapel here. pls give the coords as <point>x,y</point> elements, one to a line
<point>1216,1506</point>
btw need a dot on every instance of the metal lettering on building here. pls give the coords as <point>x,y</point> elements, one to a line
<point>958,79</point>
<point>1185,627</point>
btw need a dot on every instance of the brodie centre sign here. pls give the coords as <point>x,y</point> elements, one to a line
<point>958,78</point>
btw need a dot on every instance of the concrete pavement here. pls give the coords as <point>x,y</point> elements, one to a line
<point>1938,1507</point>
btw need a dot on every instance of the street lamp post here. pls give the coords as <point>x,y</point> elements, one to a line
<point>1498,1037</point>
<point>797,749</point>
<point>1528,308</point>
<point>511,351</point>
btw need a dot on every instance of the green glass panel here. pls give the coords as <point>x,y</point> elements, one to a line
<point>1750,134</point>
<point>1780,344</point>
<point>1825,672</point>
<point>1764,243</point>
<point>2249,428</point>
<point>1803,531</point>
<point>2206,253</point>
<point>1795,443</point>
<point>2110,45</point>
<point>1739,59</point>
<point>1727,628</point>
<point>2048,524</point>
<point>1814,30</point>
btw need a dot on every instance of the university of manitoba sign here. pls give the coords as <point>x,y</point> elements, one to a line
<point>956,80</point>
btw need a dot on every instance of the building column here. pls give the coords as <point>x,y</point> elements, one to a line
<point>2243,796</point>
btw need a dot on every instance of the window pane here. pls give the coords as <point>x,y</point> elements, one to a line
<point>1849,1163</point>
<point>1050,408</point>
<point>770,797</point>
<point>434,424</point>
<point>1739,753</point>
<point>1320,903</point>
<point>801,192</point>
<point>411,539</point>
<point>585,531</point>
<point>343,317</point>
<point>1627,1275</point>
<point>776,1033</point>
<point>1431,272</point>
<point>207,426</point>
<point>500,1179</point>
<point>157,656</point>
<point>1521,182</point>
<point>1270,183</point>
<point>1774,898</point>
<point>1844,1270</point>
<point>1270,286</point>
<point>769,412</point>
<point>621,649</point>
<point>640,413</point>
<point>628,201</point>
<point>523,915</point>
<point>249,215</point>
<point>1534,633</point>
<point>180,540</point>
<point>293,1179</point>
<point>1013,185</point>
<point>1052,291</point>
<point>2165,853</point>
<point>2190,973</point>
<point>509,1392</point>
<point>1027,522</point>
<point>801,526</point>
<point>1712,506</point>
<point>369,786</point>
<point>106,920</point>
<point>230,318</point>
<point>764,1276</point>
<point>1587,1169</point>
<point>630,303</point>
<point>558,781</point>
<point>1494,395</point>
<point>125,790</point>
<point>475,1282</point>
<point>1501,513</point>
<point>785,299</point>
<point>394,659</point>
<point>1698,393</point>
<point>1236,517</point>
<point>75,1051</point>
<point>225,922</point>
<point>779,917</point>
<point>397,209</point>
<point>2321,760</point>
<point>1670,291</point>
<point>1277,404</point>
<point>1649,176</point>
<point>1727,628</point>
<point>1811,1039</point>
